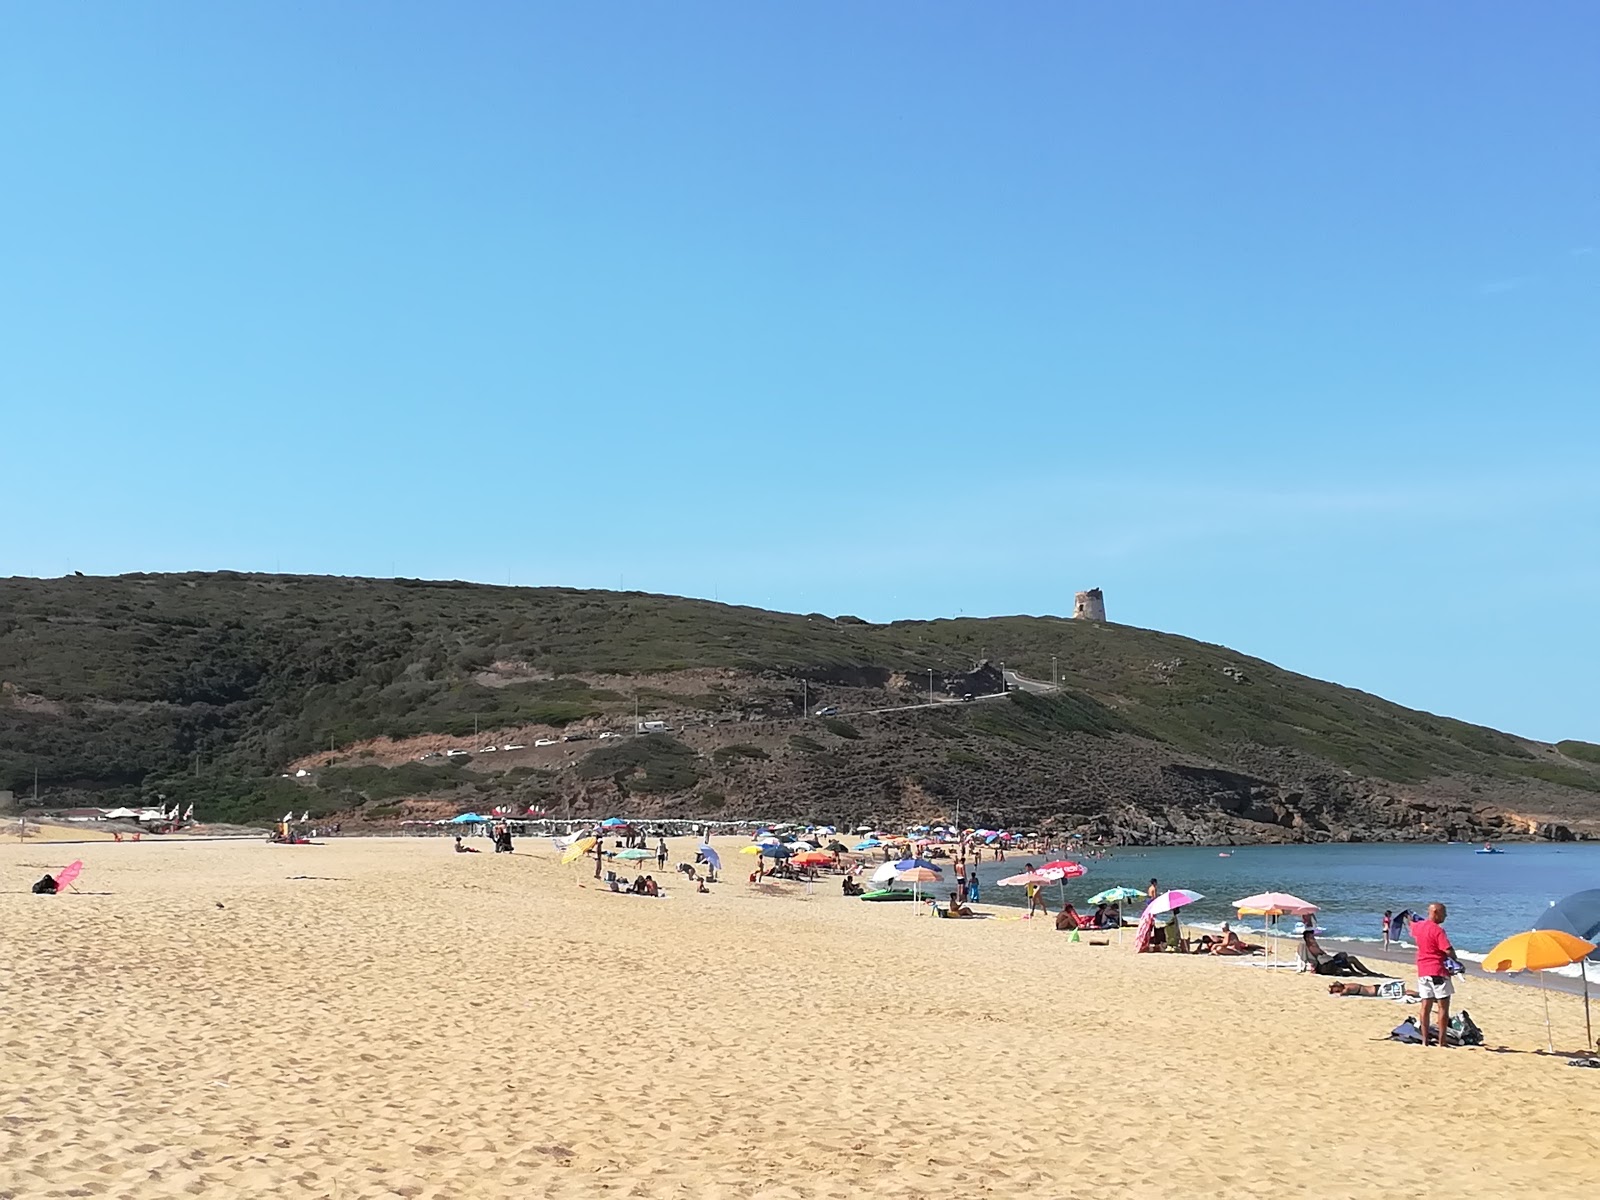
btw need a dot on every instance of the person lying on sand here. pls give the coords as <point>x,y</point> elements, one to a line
<point>460,849</point>
<point>1340,988</point>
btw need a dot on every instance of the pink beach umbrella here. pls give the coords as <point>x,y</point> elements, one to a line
<point>1273,905</point>
<point>68,873</point>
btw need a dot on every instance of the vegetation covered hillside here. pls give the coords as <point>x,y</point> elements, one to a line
<point>214,686</point>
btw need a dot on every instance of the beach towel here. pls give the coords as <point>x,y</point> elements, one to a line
<point>1141,936</point>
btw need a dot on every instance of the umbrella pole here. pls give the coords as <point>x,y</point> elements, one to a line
<point>1548,1037</point>
<point>1588,1029</point>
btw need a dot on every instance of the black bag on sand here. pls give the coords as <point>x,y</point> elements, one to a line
<point>1407,1031</point>
<point>1465,1030</point>
<point>45,886</point>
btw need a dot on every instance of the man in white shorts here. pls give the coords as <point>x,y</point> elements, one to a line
<point>1433,979</point>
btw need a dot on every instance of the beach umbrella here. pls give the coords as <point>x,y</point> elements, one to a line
<point>1063,870</point>
<point>1577,914</point>
<point>577,850</point>
<point>776,851</point>
<point>713,860</point>
<point>68,873</point>
<point>1542,950</point>
<point>1172,901</point>
<point>1115,895</point>
<point>1273,905</point>
<point>916,877</point>
<point>613,823</point>
<point>868,844</point>
<point>1023,879</point>
<point>752,850</point>
<point>1118,896</point>
<point>907,864</point>
<point>836,847</point>
<point>814,858</point>
<point>635,855</point>
<point>467,819</point>
<point>885,873</point>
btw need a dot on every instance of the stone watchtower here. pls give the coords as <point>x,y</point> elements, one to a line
<point>1089,606</point>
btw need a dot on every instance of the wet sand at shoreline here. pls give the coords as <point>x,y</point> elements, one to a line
<point>382,1017</point>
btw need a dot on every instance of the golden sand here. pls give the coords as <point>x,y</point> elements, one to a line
<point>377,1018</point>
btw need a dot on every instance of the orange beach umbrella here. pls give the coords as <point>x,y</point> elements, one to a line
<point>1543,950</point>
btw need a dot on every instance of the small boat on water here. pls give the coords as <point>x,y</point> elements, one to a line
<point>1487,849</point>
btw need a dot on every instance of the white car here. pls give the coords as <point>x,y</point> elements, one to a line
<point>488,750</point>
<point>454,753</point>
<point>609,734</point>
<point>514,746</point>
<point>545,742</point>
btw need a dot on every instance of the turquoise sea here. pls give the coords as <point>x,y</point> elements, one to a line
<point>1489,895</point>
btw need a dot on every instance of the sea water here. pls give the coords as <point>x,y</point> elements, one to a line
<point>1490,896</point>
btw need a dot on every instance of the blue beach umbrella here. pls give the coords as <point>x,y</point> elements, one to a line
<point>777,851</point>
<point>868,844</point>
<point>907,864</point>
<point>612,822</point>
<point>711,857</point>
<point>467,819</point>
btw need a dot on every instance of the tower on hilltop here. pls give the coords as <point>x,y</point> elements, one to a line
<point>1089,606</point>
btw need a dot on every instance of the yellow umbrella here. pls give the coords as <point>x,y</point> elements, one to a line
<point>1538,950</point>
<point>577,850</point>
<point>752,850</point>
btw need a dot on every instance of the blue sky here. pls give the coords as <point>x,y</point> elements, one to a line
<point>1282,325</point>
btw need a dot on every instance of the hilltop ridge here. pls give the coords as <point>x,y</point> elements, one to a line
<point>213,686</point>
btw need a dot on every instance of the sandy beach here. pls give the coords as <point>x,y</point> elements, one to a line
<point>383,1017</point>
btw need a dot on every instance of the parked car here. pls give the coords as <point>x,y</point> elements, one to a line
<point>828,710</point>
<point>545,742</point>
<point>488,750</point>
<point>609,734</point>
<point>966,697</point>
<point>574,737</point>
<point>455,753</point>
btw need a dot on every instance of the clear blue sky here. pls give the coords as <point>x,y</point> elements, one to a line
<point>1281,324</point>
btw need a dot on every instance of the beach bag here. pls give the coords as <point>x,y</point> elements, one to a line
<point>1392,989</point>
<point>45,886</point>
<point>1466,1030</point>
<point>1407,1031</point>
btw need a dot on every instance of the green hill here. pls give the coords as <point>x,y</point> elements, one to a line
<point>212,686</point>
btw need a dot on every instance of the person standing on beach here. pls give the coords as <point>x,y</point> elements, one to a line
<point>661,853</point>
<point>1388,918</point>
<point>1433,980</point>
<point>1152,891</point>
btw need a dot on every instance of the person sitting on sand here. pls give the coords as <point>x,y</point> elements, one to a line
<point>1340,988</point>
<point>460,849</point>
<point>1230,943</point>
<point>1068,918</point>
<point>957,909</point>
<point>1102,916</point>
<point>1323,963</point>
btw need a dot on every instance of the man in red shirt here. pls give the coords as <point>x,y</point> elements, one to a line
<point>1433,981</point>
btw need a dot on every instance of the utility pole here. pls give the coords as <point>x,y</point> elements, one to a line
<point>1054,680</point>
<point>805,697</point>
<point>930,685</point>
